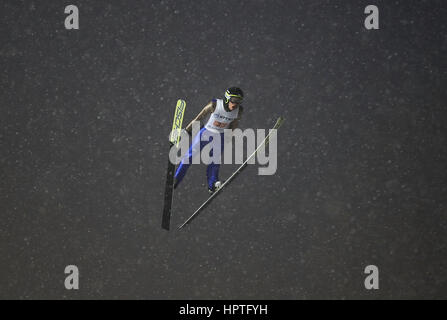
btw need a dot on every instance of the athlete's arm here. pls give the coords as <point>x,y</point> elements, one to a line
<point>206,111</point>
<point>235,123</point>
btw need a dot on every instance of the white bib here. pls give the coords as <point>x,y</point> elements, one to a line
<point>221,119</point>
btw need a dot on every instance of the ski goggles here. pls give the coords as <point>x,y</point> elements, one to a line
<point>235,100</point>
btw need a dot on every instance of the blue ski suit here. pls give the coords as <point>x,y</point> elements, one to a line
<point>200,141</point>
<point>212,170</point>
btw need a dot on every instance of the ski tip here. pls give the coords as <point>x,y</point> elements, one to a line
<point>165,223</point>
<point>279,121</point>
<point>185,223</point>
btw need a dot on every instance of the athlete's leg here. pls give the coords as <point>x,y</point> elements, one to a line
<point>196,146</point>
<point>212,170</point>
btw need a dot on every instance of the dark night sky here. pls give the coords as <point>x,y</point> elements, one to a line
<point>362,154</point>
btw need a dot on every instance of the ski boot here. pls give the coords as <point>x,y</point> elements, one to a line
<point>216,186</point>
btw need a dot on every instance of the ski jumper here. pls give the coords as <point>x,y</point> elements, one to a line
<point>219,120</point>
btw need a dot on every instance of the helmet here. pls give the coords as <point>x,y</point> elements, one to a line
<point>233,93</point>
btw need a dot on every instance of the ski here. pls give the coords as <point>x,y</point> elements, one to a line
<point>235,173</point>
<point>174,138</point>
